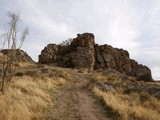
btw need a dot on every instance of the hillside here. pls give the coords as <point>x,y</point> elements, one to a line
<point>79,80</point>
<point>55,93</point>
<point>79,60</point>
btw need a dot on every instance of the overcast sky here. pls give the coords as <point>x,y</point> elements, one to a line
<point>133,25</point>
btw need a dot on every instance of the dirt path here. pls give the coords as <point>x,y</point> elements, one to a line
<point>74,102</point>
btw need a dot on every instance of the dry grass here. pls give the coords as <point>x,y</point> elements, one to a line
<point>25,65</point>
<point>128,101</point>
<point>98,77</point>
<point>28,98</point>
<point>83,70</point>
<point>131,107</point>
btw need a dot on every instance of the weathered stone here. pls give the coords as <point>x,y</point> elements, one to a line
<point>84,53</point>
<point>80,54</point>
<point>84,46</point>
<point>112,58</point>
<point>49,54</point>
<point>143,73</point>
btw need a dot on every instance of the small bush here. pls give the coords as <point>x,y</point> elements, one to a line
<point>45,70</point>
<point>20,74</point>
<point>66,42</point>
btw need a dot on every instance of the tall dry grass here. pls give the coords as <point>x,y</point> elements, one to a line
<point>28,98</point>
<point>131,107</point>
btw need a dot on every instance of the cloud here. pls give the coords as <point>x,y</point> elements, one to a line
<point>132,25</point>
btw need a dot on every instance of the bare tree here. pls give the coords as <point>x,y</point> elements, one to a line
<point>9,42</point>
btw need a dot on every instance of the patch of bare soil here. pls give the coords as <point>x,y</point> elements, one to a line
<point>74,102</point>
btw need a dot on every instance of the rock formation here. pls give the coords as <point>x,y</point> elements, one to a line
<point>79,54</point>
<point>84,53</point>
<point>20,55</point>
<point>49,54</point>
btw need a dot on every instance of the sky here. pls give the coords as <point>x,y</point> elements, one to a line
<point>133,25</point>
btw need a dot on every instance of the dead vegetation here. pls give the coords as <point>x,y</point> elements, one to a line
<point>134,106</point>
<point>28,97</point>
<point>9,45</point>
<point>128,99</point>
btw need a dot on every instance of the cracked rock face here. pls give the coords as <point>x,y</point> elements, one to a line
<point>84,53</point>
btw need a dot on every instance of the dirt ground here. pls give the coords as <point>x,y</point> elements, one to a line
<point>74,102</point>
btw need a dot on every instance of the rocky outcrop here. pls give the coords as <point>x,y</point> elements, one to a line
<point>141,72</point>
<point>79,54</point>
<point>82,52</point>
<point>112,58</point>
<point>49,54</point>
<point>118,59</point>
<point>18,55</point>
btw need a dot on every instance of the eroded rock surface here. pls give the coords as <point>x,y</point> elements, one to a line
<point>84,53</point>
<point>49,54</point>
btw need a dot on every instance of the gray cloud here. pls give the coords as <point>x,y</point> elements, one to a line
<point>129,24</point>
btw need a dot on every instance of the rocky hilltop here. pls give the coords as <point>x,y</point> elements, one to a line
<point>20,55</point>
<point>82,52</point>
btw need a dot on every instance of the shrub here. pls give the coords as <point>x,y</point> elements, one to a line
<point>20,74</point>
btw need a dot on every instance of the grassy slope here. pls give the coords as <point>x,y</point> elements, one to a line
<point>28,96</point>
<point>134,105</point>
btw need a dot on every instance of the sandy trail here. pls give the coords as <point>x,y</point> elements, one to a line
<point>75,102</point>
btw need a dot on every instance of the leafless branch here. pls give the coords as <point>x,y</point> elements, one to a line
<point>10,38</point>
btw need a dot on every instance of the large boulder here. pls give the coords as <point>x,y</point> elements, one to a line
<point>82,52</point>
<point>143,73</point>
